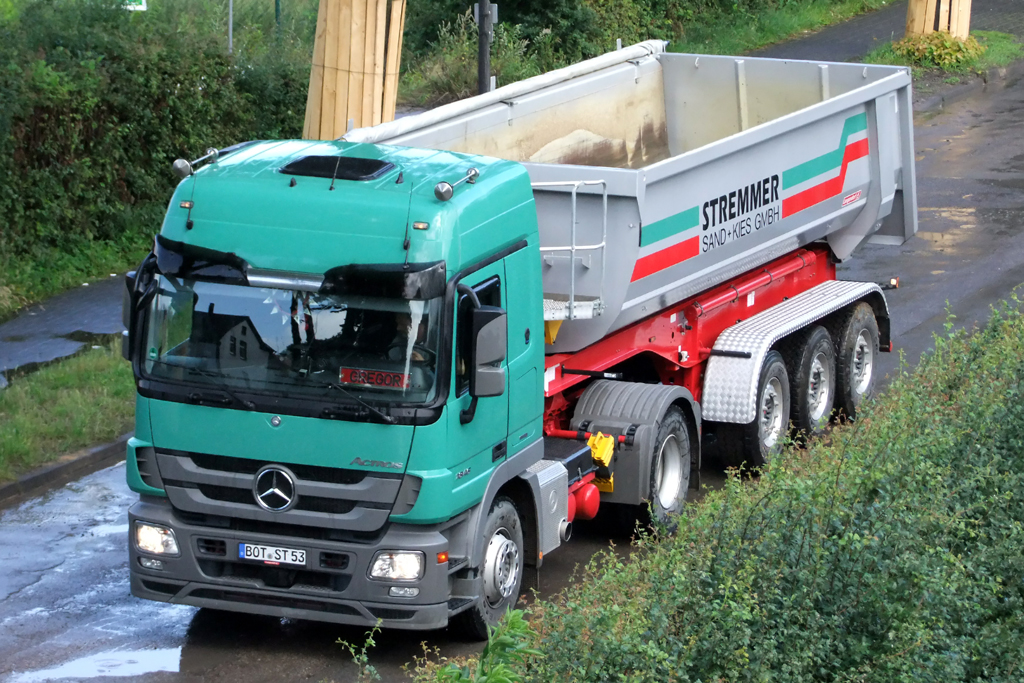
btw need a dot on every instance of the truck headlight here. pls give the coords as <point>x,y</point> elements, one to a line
<point>155,539</point>
<point>397,566</point>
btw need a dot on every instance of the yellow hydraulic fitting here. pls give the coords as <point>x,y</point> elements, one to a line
<point>602,449</point>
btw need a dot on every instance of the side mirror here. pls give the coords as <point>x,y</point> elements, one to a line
<point>128,303</point>
<point>490,342</point>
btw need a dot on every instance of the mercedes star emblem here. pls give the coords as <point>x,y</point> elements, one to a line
<point>274,489</point>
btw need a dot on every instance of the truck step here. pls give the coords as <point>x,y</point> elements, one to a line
<point>574,455</point>
<point>583,308</point>
<point>456,563</point>
<point>457,604</point>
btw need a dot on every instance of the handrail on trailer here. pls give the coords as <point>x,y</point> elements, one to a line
<point>573,247</point>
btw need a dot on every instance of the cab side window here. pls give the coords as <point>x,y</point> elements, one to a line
<point>489,293</point>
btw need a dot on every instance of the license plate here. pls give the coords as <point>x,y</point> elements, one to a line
<point>271,555</point>
<point>374,378</point>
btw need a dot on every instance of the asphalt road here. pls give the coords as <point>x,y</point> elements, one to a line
<point>65,610</point>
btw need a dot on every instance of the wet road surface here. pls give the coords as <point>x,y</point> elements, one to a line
<point>61,326</point>
<point>969,250</point>
<point>65,609</point>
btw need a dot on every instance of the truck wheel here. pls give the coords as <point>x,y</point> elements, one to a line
<point>812,361</point>
<point>756,442</point>
<point>501,571</point>
<point>855,334</point>
<point>670,466</point>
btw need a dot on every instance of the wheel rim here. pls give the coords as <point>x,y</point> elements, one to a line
<point>863,363</point>
<point>819,387</point>
<point>669,473</point>
<point>501,568</point>
<point>771,412</point>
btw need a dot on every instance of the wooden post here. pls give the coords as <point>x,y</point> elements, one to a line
<point>944,16</point>
<point>311,127</point>
<point>916,17</point>
<point>380,36</point>
<point>951,16</point>
<point>393,59</point>
<point>963,24</point>
<point>354,74</point>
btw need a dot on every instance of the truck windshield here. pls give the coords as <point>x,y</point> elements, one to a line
<point>292,343</point>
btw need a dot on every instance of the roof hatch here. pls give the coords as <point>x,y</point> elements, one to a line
<point>339,167</point>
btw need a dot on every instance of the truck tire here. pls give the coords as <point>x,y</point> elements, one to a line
<point>501,571</point>
<point>855,334</point>
<point>754,443</point>
<point>665,427</point>
<point>670,467</point>
<point>811,363</point>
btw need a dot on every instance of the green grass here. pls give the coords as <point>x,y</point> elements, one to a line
<point>1000,50</point>
<point>737,33</point>
<point>79,402</point>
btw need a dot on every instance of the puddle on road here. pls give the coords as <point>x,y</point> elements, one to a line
<point>117,663</point>
<point>109,530</point>
<point>963,223</point>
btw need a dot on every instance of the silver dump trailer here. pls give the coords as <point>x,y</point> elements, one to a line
<point>660,175</point>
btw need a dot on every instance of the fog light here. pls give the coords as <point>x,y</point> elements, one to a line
<point>398,566</point>
<point>150,563</point>
<point>403,592</point>
<point>155,539</point>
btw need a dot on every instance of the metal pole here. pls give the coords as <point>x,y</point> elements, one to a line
<point>483,73</point>
<point>231,26</point>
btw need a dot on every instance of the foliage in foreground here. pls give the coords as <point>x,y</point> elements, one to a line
<point>889,552</point>
<point>508,648</point>
<point>79,402</point>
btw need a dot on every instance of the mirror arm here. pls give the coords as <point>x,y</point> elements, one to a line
<point>468,291</point>
<point>466,416</point>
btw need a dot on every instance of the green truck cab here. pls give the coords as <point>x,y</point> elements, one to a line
<point>308,339</point>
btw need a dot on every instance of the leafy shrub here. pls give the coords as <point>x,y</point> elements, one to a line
<point>508,647</point>
<point>449,71</point>
<point>95,103</point>
<point>890,551</point>
<point>940,50</point>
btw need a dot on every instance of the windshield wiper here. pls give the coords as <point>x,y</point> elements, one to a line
<point>376,411</point>
<point>200,398</point>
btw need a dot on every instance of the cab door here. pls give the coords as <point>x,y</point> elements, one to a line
<point>482,441</point>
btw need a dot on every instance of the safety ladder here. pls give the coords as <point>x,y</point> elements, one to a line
<point>573,307</point>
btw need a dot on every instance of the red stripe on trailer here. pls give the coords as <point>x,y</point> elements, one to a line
<point>828,189</point>
<point>666,258</point>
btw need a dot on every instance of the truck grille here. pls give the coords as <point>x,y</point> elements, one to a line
<point>325,497</point>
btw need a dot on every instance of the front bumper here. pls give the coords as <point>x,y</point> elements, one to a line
<point>334,585</point>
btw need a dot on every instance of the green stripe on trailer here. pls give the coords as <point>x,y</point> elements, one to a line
<point>828,161</point>
<point>668,227</point>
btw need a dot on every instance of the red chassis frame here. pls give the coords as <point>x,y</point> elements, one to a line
<point>679,338</point>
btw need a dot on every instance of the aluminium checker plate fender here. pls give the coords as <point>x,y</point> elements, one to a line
<point>730,383</point>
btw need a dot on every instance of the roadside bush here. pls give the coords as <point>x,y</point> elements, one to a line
<point>939,50</point>
<point>890,551</point>
<point>449,72</point>
<point>95,104</point>
<point>440,43</point>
